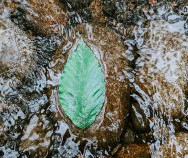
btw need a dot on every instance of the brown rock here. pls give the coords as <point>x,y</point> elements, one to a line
<point>17,52</point>
<point>175,146</point>
<point>96,11</point>
<point>134,151</point>
<point>161,76</point>
<point>111,54</point>
<point>46,16</point>
<point>36,138</point>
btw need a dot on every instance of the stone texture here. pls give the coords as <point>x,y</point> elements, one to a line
<point>43,16</point>
<point>3,132</point>
<point>123,10</point>
<point>161,77</point>
<point>17,52</point>
<point>139,121</point>
<point>79,2</point>
<point>7,8</point>
<point>175,146</point>
<point>11,121</point>
<point>36,136</point>
<point>129,137</point>
<point>134,151</point>
<point>96,11</point>
<point>111,54</point>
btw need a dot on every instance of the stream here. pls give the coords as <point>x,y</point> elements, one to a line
<point>142,50</point>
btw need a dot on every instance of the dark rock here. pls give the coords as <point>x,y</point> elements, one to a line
<point>129,137</point>
<point>46,48</point>
<point>42,16</point>
<point>134,150</point>
<point>3,132</point>
<point>139,121</point>
<point>123,10</point>
<point>114,151</point>
<point>111,54</point>
<point>36,137</point>
<point>11,123</point>
<point>77,3</point>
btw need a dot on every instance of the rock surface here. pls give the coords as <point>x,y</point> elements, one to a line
<point>161,76</point>
<point>139,121</point>
<point>129,137</point>
<point>7,8</point>
<point>17,53</point>
<point>79,2</point>
<point>123,10</point>
<point>111,54</point>
<point>96,11</point>
<point>43,16</point>
<point>36,136</point>
<point>175,146</point>
<point>134,150</point>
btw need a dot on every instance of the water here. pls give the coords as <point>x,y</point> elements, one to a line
<point>143,53</point>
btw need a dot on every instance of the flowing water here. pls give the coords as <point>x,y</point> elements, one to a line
<point>142,48</point>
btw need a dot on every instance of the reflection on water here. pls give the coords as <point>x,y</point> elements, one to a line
<point>143,50</point>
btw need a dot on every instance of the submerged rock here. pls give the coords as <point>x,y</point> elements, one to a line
<point>96,11</point>
<point>110,51</point>
<point>42,16</point>
<point>175,146</point>
<point>7,8</point>
<point>18,56</point>
<point>139,121</point>
<point>36,136</point>
<point>161,71</point>
<point>11,123</point>
<point>134,150</point>
<point>129,137</point>
<point>79,2</point>
<point>123,10</point>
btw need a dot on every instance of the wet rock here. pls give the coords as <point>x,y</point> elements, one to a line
<point>36,136</point>
<point>46,48</point>
<point>3,131</point>
<point>7,8</point>
<point>17,53</point>
<point>11,123</point>
<point>114,151</point>
<point>161,76</point>
<point>77,3</point>
<point>139,121</point>
<point>78,16</point>
<point>123,10</point>
<point>175,146</point>
<point>96,11</point>
<point>129,137</point>
<point>134,150</point>
<point>42,16</point>
<point>111,54</point>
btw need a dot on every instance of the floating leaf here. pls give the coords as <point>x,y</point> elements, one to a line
<point>82,87</point>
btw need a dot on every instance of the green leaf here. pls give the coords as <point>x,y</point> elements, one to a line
<point>82,87</point>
